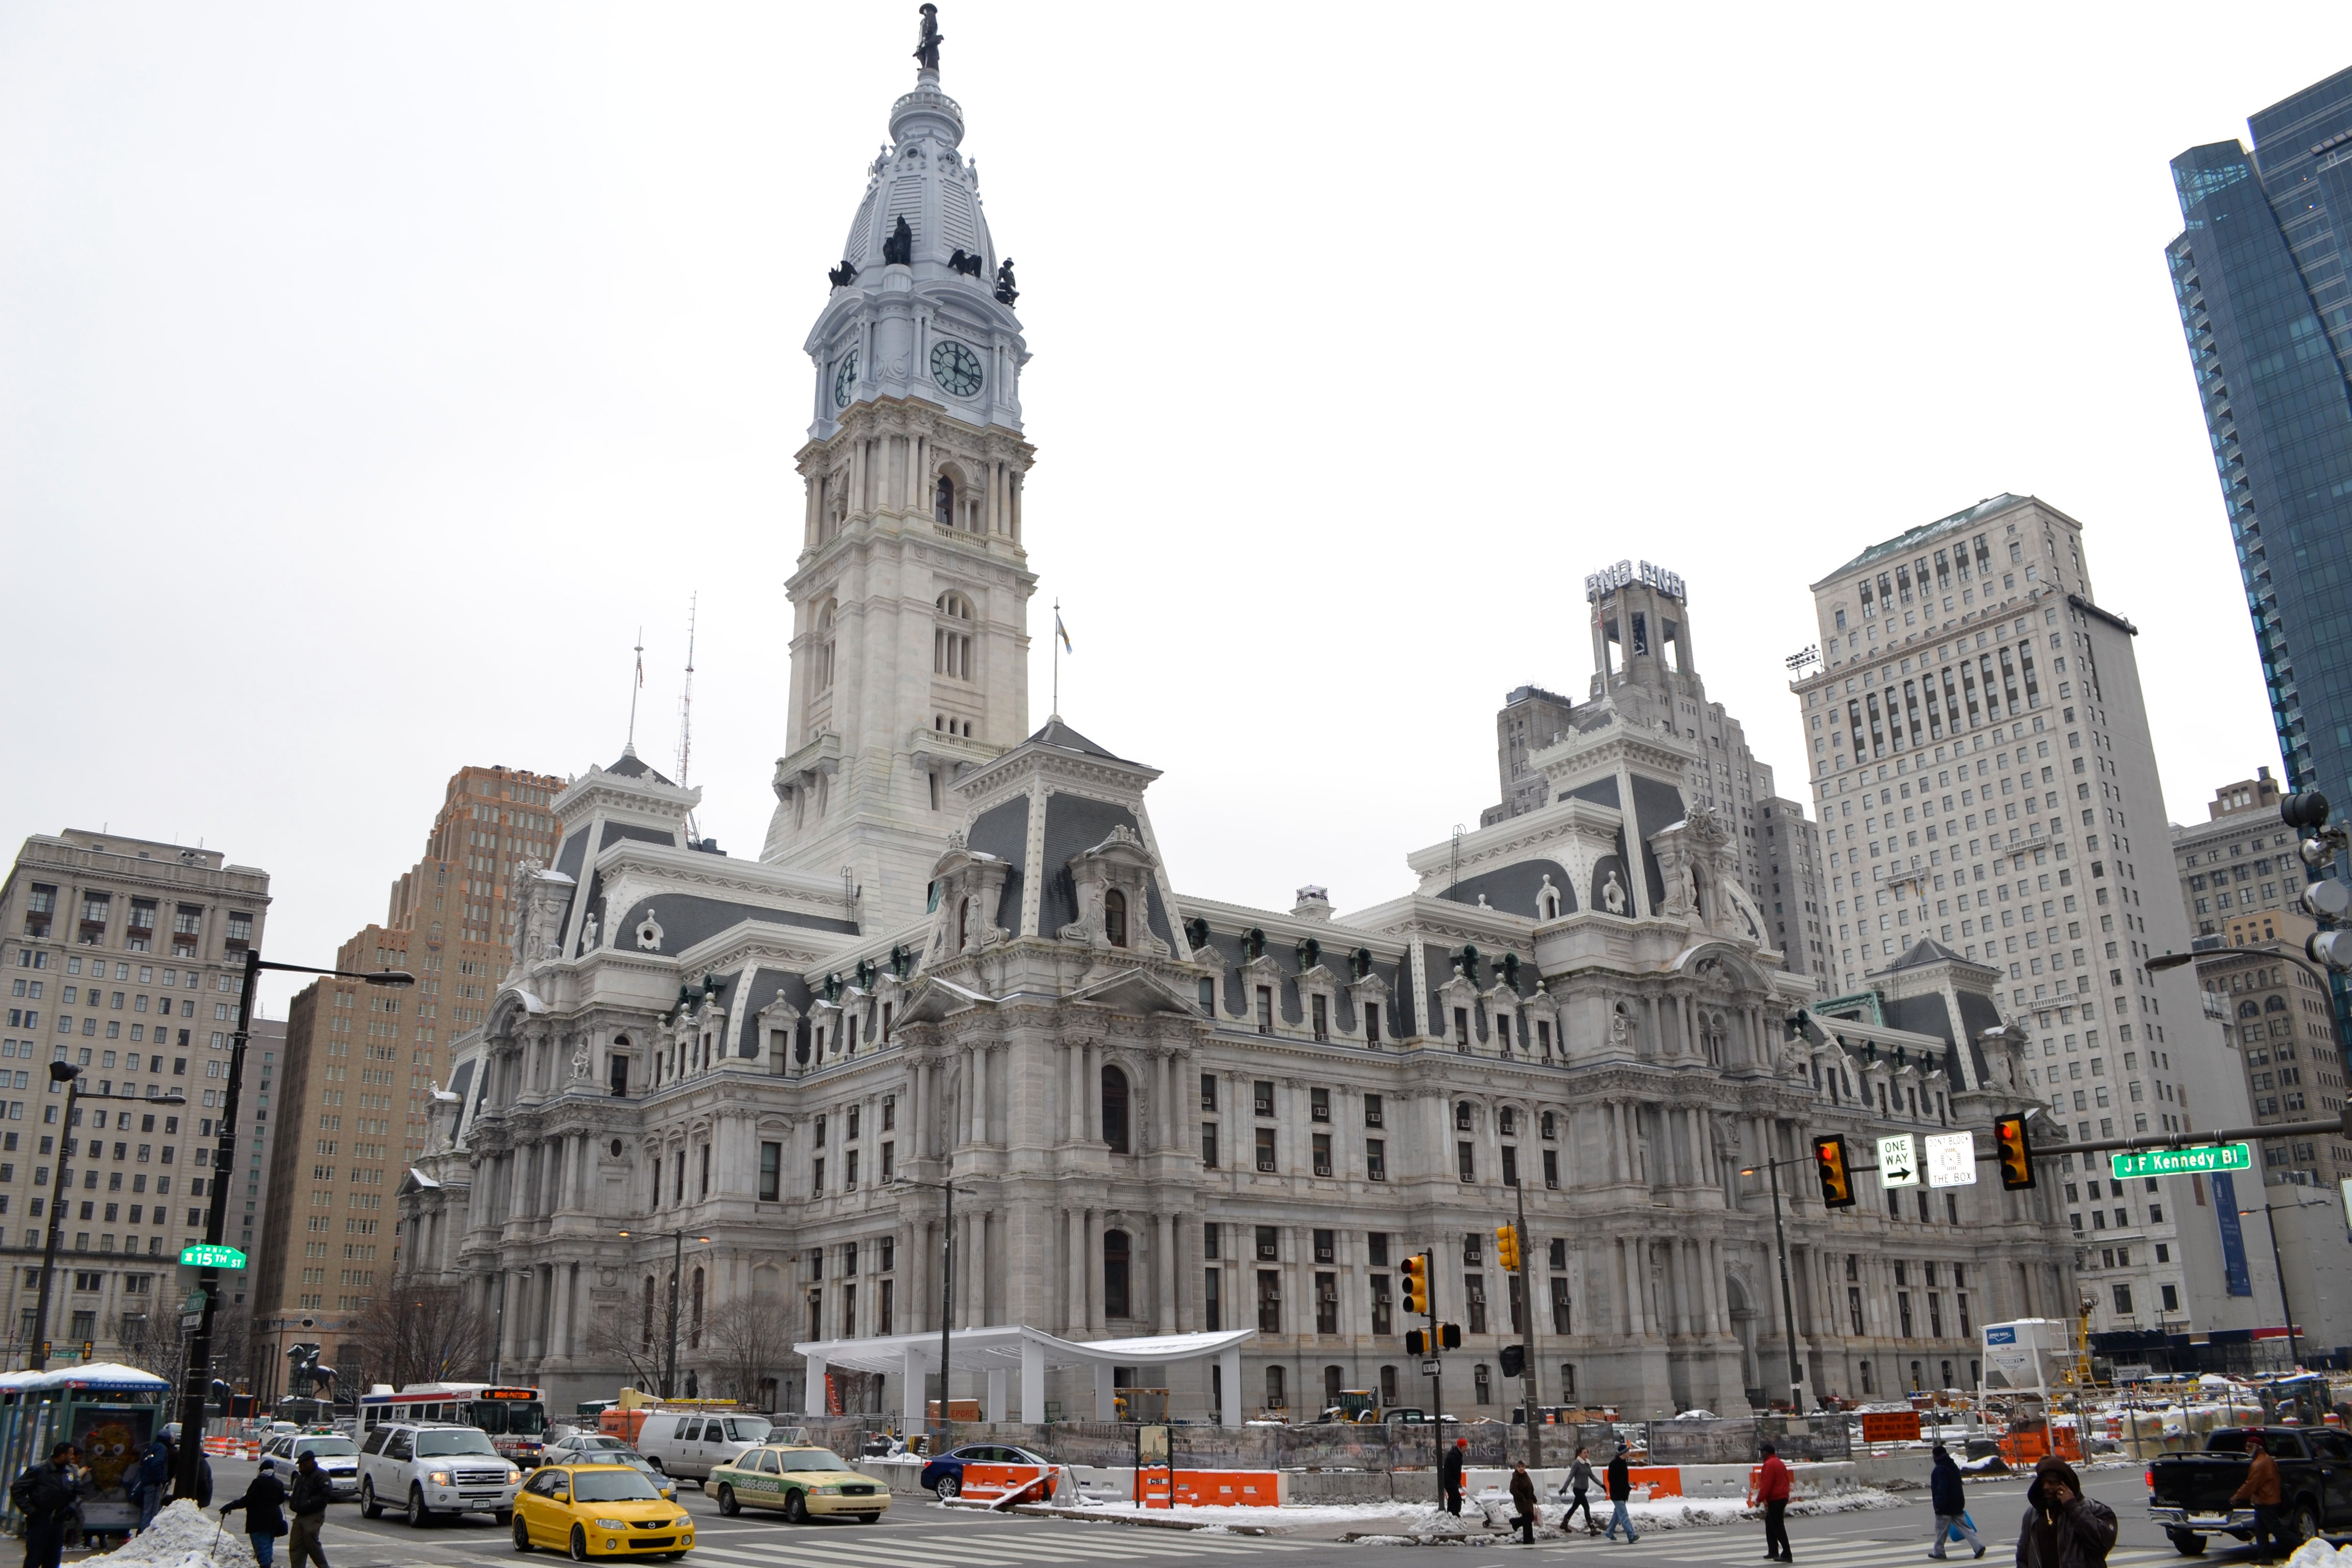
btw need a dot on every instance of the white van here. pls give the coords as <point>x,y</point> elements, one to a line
<point>689,1445</point>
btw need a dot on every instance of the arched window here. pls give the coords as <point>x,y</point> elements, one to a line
<point>821,671</point>
<point>2249,1008</point>
<point>618,1065</point>
<point>943,502</point>
<point>1274,1399</point>
<point>2274,1004</point>
<point>952,639</point>
<point>694,1336</point>
<point>1116,1302</point>
<point>1462,1116</point>
<point>963,924</point>
<point>1114,1109</point>
<point>1115,917</point>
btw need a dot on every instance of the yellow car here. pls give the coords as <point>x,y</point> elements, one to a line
<point>803,1481</point>
<point>598,1511</point>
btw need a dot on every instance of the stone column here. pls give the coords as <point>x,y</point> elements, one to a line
<point>1164,1314</point>
<point>1073,1311</point>
<point>1094,1234</point>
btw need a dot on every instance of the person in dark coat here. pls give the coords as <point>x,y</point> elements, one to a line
<point>264,1521</point>
<point>1621,1492</point>
<point>1449,1477</point>
<point>2063,1528</point>
<point>1523,1497</point>
<point>1949,1499</point>
<point>148,1481</point>
<point>46,1495</point>
<point>308,1502</point>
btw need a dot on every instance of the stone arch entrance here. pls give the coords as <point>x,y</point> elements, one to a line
<point>1745,1321</point>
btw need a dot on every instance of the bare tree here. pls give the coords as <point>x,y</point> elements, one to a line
<point>618,1335</point>
<point>151,1341</point>
<point>418,1333</point>
<point>745,1342</point>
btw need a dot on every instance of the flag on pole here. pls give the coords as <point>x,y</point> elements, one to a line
<point>1062,632</point>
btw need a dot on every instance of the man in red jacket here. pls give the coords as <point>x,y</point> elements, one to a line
<point>1772,1492</point>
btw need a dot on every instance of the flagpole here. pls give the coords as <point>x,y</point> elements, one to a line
<point>637,681</point>
<point>1057,657</point>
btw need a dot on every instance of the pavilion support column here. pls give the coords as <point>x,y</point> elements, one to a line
<point>910,1388</point>
<point>1033,1381</point>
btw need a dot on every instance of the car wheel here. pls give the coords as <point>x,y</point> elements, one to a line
<point>2187,1543</point>
<point>504,1515</point>
<point>2305,1525</point>
<point>579,1544</point>
<point>726,1503</point>
<point>418,1514</point>
<point>369,1507</point>
<point>796,1508</point>
<point>947,1486</point>
<point>869,1518</point>
<point>521,1534</point>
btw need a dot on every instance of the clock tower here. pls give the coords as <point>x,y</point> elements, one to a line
<point>909,652</point>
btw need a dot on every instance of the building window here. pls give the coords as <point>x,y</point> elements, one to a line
<point>1510,1165</point>
<point>1372,1111</point>
<point>1212,1298</point>
<point>1115,917</point>
<point>1269,1244</point>
<point>1322,1153</point>
<point>1474,1302</point>
<point>1376,1160</point>
<point>1383,1306</point>
<point>2123,1300</point>
<point>1373,1022</point>
<point>1262,1097</point>
<point>1482,1383</point>
<point>772,1172</point>
<point>1269,1305</point>
<point>1274,1395</point>
<point>1266,1149</point>
<point>1265,1010</point>
<point>1322,1012</point>
<point>1551,1168</point>
<point>1560,1315</point>
<point>1114,1109</point>
<point>1466,1165</point>
<point>1327,1303</point>
<point>1209,1144</point>
<point>1115,1296</point>
<point>952,639</point>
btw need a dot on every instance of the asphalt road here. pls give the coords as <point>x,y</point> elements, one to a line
<point>917,1534</point>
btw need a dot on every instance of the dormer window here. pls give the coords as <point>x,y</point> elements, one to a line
<point>943,502</point>
<point>1115,917</point>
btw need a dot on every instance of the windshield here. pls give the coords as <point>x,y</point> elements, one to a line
<point>811,1459</point>
<point>612,1486</point>
<point>747,1429</point>
<point>325,1448</point>
<point>447,1441</point>
<point>511,1418</point>
<point>598,1443</point>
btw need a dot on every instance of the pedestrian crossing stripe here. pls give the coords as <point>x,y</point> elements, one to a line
<point>973,1553</point>
<point>1870,1552</point>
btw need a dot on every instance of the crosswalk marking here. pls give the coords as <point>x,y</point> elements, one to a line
<point>1858,1553</point>
<point>975,1552</point>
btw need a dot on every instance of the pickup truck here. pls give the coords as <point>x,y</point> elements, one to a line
<point>2189,1494</point>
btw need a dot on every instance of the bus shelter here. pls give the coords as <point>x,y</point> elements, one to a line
<point>110,1412</point>
<point>1003,1351</point>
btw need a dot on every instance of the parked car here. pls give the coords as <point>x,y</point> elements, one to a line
<point>595,1449</point>
<point>338,1458</point>
<point>687,1447</point>
<point>596,1510</point>
<point>434,1469</point>
<point>804,1482</point>
<point>944,1475</point>
<point>2189,1494</point>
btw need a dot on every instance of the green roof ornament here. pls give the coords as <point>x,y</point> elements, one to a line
<point>901,961</point>
<point>1511,971</point>
<point>1310,953</point>
<point>1360,963</point>
<point>833,986</point>
<point>1469,962</point>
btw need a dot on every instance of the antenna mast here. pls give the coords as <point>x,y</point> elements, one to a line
<point>686,698</point>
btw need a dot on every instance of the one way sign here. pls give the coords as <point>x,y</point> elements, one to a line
<point>1898,1162</point>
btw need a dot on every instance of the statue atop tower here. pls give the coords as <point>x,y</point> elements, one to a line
<point>927,46</point>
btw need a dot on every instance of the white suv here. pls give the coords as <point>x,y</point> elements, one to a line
<point>431,1469</point>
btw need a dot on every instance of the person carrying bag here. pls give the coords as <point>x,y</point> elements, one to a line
<point>264,1521</point>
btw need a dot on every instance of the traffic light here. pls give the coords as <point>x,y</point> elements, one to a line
<point>2305,809</point>
<point>1450,1336</point>
<point>1829,1158</point>
<point>86,1346</point>
<point>1507,1248</point>
<point>1515,1361</point>
<point>46,1350</point>
<point>2016,1153</point>
<point>1415,1343</point>
<point>1416,1283</point>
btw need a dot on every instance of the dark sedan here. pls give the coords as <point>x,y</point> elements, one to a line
<point>944,1475</point>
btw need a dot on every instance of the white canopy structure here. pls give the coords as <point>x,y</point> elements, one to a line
<point>998,1350</point>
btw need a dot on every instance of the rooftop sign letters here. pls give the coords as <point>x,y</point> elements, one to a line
<point>1609,579</point>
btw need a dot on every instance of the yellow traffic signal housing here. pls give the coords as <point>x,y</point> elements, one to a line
<point>1507,1248</point>
<point>1837,1187</point>
<point>87,1346</point>
<point>1416,1284</point>
<point>2016,1154</point>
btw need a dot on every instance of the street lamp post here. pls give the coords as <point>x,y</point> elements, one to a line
<point>197,1385</point>
<point>2270,1222</point>
<point>70,1076</point>
<point>677,1271</point>
<point>1788,1301</point>
<point>947,1292</point>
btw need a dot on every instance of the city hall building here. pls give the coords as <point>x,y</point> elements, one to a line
<point>1164,1113</point>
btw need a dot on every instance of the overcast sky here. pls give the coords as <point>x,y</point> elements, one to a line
<point>369,373</point>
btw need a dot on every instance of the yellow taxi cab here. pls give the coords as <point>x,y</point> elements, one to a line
<point>598,1511</point>
<point>803,1481</point>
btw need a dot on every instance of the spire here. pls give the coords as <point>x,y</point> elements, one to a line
<point>927,109</point>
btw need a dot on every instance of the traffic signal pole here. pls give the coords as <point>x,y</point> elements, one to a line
<point>1788,1301</point>
<point>1528,1385</point>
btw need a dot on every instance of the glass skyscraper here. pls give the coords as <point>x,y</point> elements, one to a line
<point>2259,273</point>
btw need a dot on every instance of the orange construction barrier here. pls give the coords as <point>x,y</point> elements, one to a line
<point>1261,1488</point>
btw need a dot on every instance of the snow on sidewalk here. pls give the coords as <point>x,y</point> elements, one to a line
<point>183,1536</point>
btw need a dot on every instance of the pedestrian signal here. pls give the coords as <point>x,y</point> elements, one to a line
<point>1415,1343</point>
<point>1837,1187</point>
<point>1450,1336</point>
<point>1515,1361</point>
<point>1416,1283</point>
<point>1507,1248</point>
<point>2307,809</point>
<point>2016,1153</point>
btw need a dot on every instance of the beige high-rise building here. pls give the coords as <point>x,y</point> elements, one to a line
<point>2241,880</point>
<point>359,1060</point>
<point>123,955</point>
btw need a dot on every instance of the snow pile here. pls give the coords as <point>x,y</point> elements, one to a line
<point>183,1536</point>
<point>2316,1553</point>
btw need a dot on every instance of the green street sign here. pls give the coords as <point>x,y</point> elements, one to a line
<point>2183,1162</point>
<point>204,1256</point>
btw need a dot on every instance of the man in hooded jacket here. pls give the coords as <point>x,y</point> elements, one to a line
<point>2063,1528</point>
<point>1449,1477</point>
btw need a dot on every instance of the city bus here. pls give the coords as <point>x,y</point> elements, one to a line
<point>513,1418</point>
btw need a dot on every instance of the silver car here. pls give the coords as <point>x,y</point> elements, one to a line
<point>338,1456</point>
<point>597,1448</point>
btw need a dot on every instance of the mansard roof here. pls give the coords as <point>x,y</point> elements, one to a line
<point>1058,734</point>
<point>1924,952</point>
<point>632,766</point>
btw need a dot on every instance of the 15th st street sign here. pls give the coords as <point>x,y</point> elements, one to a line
<point>1898,1162</point>
<point>2195,1162</point>
<point>203,1255</point>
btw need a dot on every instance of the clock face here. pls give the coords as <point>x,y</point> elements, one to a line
<point>844,379</point>
<point>956,368</point>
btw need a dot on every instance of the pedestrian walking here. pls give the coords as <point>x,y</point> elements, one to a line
<point>2260,1488</point>
<point>1579,1482</point>
<point>1772,1491</point>
<point>1449,1477</point>
<point>264,1521</point>
<point>1621,1491</point>
<point>153,1474</point>
<point>2063,1528</point>
<point>1523,1497</point>
<point>47,1496</point>
<point>307,1501</point>
<point>1950,1499</point>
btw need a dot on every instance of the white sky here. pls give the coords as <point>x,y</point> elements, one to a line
<point>369,373</point>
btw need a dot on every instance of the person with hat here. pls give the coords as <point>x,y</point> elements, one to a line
<point>46,1495</point>
<point>1950,1499</point>
<point>1449,1475</point>
<point>265,1520</point>
<point>2063,1528</point>
<point>1621,1492</point>
<point>1523,1499</point>
<point>2260,1488</point>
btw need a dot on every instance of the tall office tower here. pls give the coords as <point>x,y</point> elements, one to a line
<point>2240,875</point>
<point>1644,668</point>
<point>1987,782</point>
<point>2259,275</point>
<point>123,956</point>
<point>359,1062</point>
